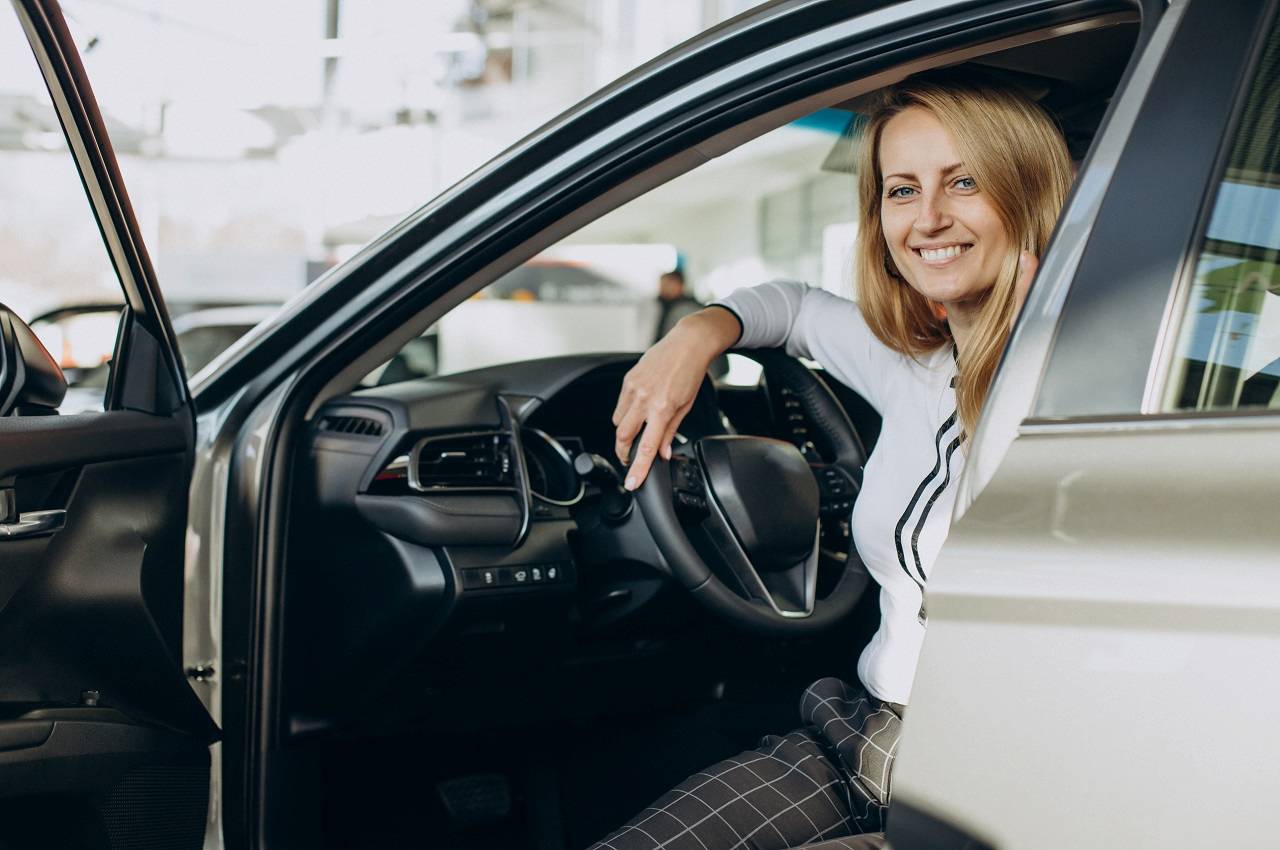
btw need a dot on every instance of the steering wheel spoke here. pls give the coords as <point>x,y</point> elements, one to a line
<point>745,523</point>
<point>790,592</point>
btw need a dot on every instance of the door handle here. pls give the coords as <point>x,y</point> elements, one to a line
<point>33,524</point>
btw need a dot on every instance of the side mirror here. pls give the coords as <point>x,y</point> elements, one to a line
<point>30,379</point>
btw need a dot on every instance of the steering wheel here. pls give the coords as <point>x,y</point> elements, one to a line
<point>758,504</point>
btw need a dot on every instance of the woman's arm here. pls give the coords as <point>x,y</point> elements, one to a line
<point>815,324</point>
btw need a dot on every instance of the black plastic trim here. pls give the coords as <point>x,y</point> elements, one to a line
<point>35,444</point>
<point>912,828</point>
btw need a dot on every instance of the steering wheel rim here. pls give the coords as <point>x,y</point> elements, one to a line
<point>656,499</point>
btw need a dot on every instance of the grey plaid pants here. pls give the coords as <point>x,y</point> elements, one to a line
<point>830,779</point>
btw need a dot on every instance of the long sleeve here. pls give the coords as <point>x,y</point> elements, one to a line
<point>817,325</point>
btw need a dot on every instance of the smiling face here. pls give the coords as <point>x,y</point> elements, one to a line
<point>942,231</point>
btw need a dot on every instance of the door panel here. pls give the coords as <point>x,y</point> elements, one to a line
<point>1104,646</point>
<point>93,700</point>
<point>95,609</point>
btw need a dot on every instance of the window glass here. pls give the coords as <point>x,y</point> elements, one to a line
<point>55,273</point>
<point>773,208</point>
<point>1228,353</point>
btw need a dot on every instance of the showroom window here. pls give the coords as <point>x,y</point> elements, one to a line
<point>55,273</point>
<point>1228,353</point>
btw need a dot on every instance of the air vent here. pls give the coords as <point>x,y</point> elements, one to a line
<point>465,461</point>
<point>358,425</point>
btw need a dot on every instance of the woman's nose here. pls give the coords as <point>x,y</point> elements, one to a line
<point>931,214</point>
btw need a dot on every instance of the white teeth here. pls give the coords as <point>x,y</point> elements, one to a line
<point>936,254</point>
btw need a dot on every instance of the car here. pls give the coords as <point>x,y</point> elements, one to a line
<point>275,608</point>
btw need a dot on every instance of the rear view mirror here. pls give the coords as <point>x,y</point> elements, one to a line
<point>30,380</point>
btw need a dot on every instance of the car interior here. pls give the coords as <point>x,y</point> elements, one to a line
<point>482,643</point>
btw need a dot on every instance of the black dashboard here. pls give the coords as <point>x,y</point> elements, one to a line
<point>441,535</point>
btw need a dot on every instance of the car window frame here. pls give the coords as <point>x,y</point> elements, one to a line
<point>1103,364</point>
<point>1164,370</point>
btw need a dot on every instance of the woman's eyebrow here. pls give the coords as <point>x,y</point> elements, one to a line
<point>955,166</point>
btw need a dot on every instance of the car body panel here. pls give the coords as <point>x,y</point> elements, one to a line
<point>1104,644</point>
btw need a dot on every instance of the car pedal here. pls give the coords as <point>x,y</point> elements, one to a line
<point>478,799</point>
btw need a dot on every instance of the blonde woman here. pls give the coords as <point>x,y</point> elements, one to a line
<point>960,183</point>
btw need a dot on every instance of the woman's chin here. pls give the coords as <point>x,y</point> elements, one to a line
<point>944,288</point>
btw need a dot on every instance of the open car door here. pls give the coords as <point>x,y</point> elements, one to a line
<point>103,743</point>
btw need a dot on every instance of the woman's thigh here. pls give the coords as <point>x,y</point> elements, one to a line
<point>783,794</point>
<point>864,733</point>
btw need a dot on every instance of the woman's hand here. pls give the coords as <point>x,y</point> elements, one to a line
<point>659,390</point>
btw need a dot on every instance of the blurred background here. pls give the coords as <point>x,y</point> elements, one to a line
<point>264,143</point>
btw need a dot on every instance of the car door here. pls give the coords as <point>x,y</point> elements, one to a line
<point>103,743</point>
<point>1103,658</point>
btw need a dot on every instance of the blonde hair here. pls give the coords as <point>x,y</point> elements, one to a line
<point>1018,158</point>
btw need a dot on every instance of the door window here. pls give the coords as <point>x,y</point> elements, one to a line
<point>1228,351</point>
<point>55,273</point>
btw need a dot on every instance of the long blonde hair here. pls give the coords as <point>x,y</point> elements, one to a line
<point>1018,158</point>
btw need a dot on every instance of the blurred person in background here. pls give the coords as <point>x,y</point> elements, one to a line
<point>673,302</point>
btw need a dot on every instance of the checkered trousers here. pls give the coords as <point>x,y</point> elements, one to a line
<point>828,780</point>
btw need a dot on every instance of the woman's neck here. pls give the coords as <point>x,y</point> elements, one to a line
<point>961,316</point>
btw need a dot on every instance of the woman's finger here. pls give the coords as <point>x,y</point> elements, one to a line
<point>628,428</point>
<point>664,446</point>
<point>645,453</point>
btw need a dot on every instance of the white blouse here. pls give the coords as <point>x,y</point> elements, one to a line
<point>903,512</point>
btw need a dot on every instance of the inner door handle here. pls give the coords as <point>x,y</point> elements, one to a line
<point>33,524</point>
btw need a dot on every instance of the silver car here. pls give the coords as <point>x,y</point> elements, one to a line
<point>276,609</point>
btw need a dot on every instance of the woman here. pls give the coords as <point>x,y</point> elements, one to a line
<point>960,182</point>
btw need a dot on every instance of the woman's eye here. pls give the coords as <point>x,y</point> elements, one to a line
<point>965,183</point>
<point>900,191</point>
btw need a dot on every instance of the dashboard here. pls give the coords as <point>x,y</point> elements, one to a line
<point>455,537</point>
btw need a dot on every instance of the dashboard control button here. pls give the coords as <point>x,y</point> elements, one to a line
<point>520,576</point>
<point>535,573</point>
<point>553,572</point>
